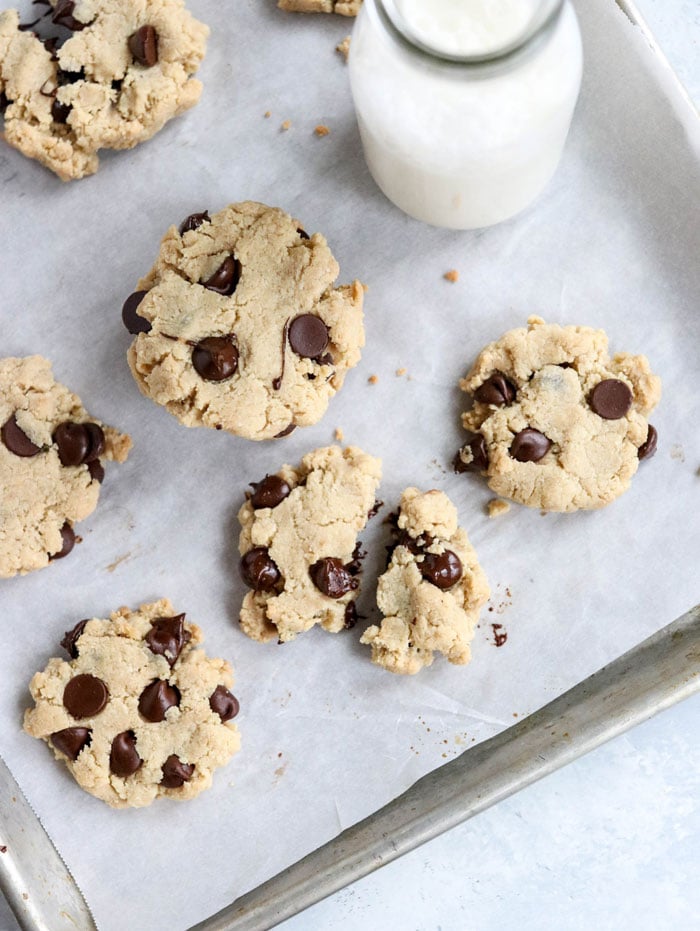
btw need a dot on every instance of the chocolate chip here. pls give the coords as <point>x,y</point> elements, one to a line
<point>287,430</point>
<point>16,440</point>
<point>63,16</point>
<point>175,772</point>
<point>71,637</point>
<point>375,508</point>
<point>529,445</point>
<point>156,698</point>
<point>480,456</point>
<point>96,470</point>
<point>259,570</point>
<point>69,77</point>
<point>130,318</point>
<point>270,492</point>
<point>496,390</point>
<point>60,111</point>
<point>85,696</point>
<point>4,101</point>
<point>78,442</point>
<point>67,542</point>
<point>610,399</point>
<point>303,233</point>
<point>442,569</point>
<point>648,447</point>
<point>194,221</point>
<point>223,703</point>
<point>71,741</point>
<point>143,45</point>
<point>168,636</point>
<point>350,616</point>
<point>123,758</point>
<point>225,278</point>
<point>331,577</point>
<point>215,358</point>
<point>308,336</point>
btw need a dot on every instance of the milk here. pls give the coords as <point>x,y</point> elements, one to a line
<point>463,146</point>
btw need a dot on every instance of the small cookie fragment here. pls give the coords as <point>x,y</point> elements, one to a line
<point>432,591</point>
<point>299,547</point>
<point>238,325</point>
<point>139,711</point>
<point>122,73</point>
<point>343,47</point>
<point>557,423</point>
<point>452,275</point>
<point>344,7</point>
<point>321,130</point>
<point>497,506</point>
<point>51,454</point>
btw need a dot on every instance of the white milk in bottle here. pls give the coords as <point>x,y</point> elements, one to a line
<point>464,105</point>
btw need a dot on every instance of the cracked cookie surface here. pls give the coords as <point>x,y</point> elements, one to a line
<point>123,71</point>
<point>344,7</point>
<point>432,591</point>
<point>238,325</point>
<point>299,547</point>
<point>557,423</point>
<point>139,711</point>
<point>50,468</point>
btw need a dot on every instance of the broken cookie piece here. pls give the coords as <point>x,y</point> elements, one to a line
<point>432,591</point>
<point>299,549</point>
<point>51,454</point>
<point>344,7</point>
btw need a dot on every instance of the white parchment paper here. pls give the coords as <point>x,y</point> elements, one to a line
<point>328,738</point>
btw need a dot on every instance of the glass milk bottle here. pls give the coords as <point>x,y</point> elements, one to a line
<point>464,105</point>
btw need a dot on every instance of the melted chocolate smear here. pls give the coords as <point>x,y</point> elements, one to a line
<point>277,382</point>
<point>499,634</point>
<point>350,618</point>
<point>443,570</point>
<point>375,509</point>
<point>332,578</point>
<point>354,567</point>
<point>259,570</point>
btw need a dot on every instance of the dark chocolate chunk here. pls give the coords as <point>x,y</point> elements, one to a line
<point>60,111</point>
<point>63,16</point>
<point>71,740</point>
<point>225,278</point>
<point>194,221</point>
<point>354,567</point>
<point>287,430</point>
<point>175,772</point>
<point>168,636</point>
<point>67,542</point>
<point>529,445</point>
<point>302,233</point>
<point>332,578</point>
<point>78,442</point>
<point>96,470</point>
<point>71,637</point>
<point>444,569</point>
<point>350,617</point>
<point>215,358</point>
<point>308,336</point>
<point>130,318</point>
<point>223,703</point>
<point>143,45</point>
<point>480,456</point>
<point>610,399</point>
<point>270,492</point>
<point>648,447</point>
<point>123,757</point>
<point>85,696</point>
<point>496,390</point>
<point>259,570</point>
<point>16,440</point>
<point>156,698</point>
<point>4,101</point>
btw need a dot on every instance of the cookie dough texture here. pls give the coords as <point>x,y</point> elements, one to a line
<point>332,494</point>
<point>344,7</point>
<point>421,619</point>
<point>115,102</point>
<point>283,276</point>
<point>553,370</point>
<point>39,495</point>
<point>116,652</point>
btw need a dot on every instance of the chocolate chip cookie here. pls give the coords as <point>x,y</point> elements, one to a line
<point>137,712</point>
<point>50,464</point>
<point>344,7</point>
<point>432,591</point>
<point>556,423</point>
<point>238,326</point>
<point>299,548</point>
<point>96,74</point>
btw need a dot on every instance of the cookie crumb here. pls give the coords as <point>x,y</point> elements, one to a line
<point>267,114</point>
<point>321,130</point>
<point>365,288</point>
<point>339,435</point>
<point>373,379</point>
<point>286,125</point>
<point>497,506</point>
<point>401,372</point>
<point>344,47</point>
<point>451,275</point>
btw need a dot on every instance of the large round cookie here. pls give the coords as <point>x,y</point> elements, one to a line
<point>50,468</point>
<point>557,423</point>
<point>124,70</point>
<point>138,712</point>
<point>238,325</point>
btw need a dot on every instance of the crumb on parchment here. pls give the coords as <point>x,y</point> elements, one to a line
<point>267,114</point>
<point>452,275</point>
<point>321,130</point>
<point>339,435</point>
<point>286,125</point>
<point>401,372</point>
<point>497,506</point>
<point>373,379</point>
<point>344,47</point>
